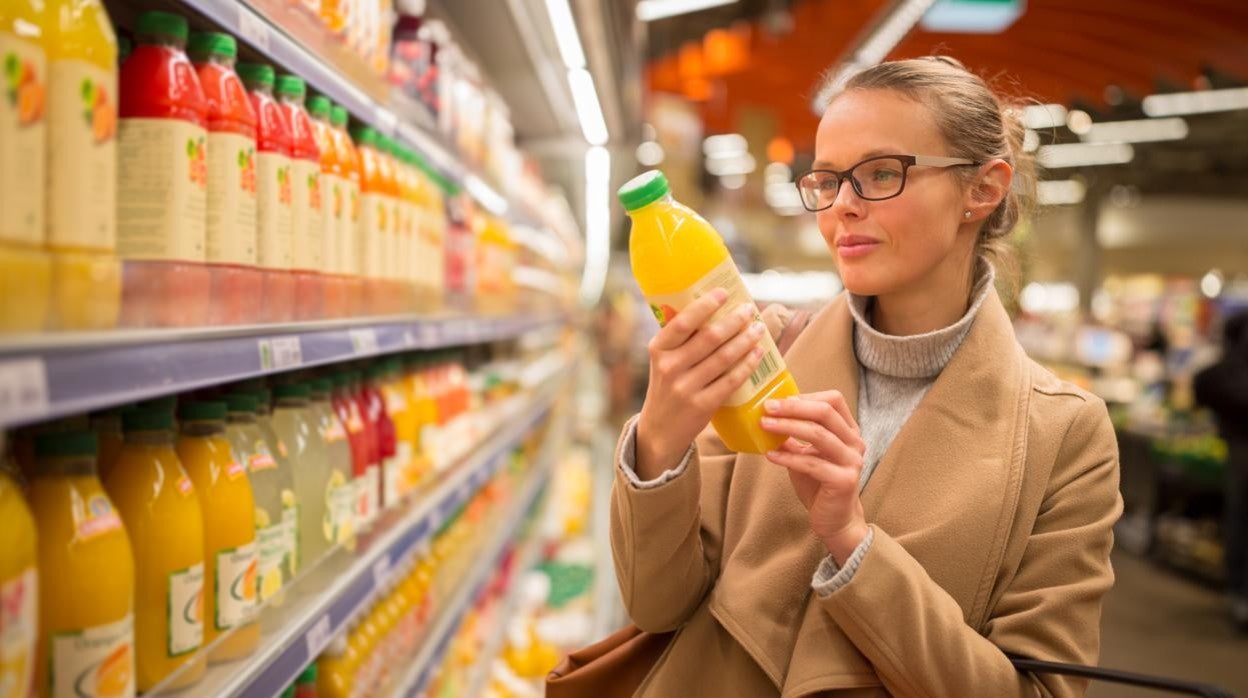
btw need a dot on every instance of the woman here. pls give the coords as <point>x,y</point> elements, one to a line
<point>942,501</point>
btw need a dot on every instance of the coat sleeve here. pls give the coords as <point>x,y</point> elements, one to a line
<point>914,633</point>
<point>666,540</point>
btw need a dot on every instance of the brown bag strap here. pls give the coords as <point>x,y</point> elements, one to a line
<point>798,322</point>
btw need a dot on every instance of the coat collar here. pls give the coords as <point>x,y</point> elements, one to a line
<point>945,489</point>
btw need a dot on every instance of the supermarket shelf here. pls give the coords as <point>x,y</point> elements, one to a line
<point>438,640</point>
<point>51,376</point>
<point>319,604</point>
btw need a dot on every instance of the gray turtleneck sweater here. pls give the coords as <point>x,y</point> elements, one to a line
<point>894,373</point>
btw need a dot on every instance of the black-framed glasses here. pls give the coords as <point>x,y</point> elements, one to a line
<point>874,179</point>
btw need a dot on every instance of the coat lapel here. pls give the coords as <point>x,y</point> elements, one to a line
<point>946,489</point>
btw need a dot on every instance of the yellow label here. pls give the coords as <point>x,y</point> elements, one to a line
<point>307,216</point>
<point>333,213</point>
<point>274,231</point>
<point>349,230</point>
<point>19,630</point>
<point>82,205</point>
<point>186,610</point>
<point>97,661</point>
<point>162,191</point>
<point>236,586</point>
<point>23,138</point>
<point>231,222</point>
<point>725,276</point>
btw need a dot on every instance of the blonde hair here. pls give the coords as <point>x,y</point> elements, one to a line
<point>975,123</point>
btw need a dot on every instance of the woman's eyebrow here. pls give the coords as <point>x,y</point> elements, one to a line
<point>825,165</point>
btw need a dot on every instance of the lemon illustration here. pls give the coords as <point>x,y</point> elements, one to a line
<point>288,499</point>
<point>270,583</point>
<point>262,518</point>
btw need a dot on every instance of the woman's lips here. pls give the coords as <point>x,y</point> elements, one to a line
<point>855,246</point>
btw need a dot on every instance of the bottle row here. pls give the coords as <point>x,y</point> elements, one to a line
<point>181,189</point>
<point>146,533</point>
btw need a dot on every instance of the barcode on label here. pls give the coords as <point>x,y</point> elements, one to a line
<point>766,368</point>
<point>280,353</point>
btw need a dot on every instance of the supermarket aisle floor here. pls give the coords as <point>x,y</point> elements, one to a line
<point>1158,623</point>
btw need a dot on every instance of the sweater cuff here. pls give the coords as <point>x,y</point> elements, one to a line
<point>628,461</point>
<point>830,577</point>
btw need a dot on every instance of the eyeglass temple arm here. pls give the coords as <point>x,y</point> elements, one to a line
<point>940,161</point>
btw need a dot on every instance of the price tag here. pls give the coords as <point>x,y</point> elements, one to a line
<point>23,388</point>
<point>318,636</point>
<point>409,338</point>
<point>381,570</point>
<point>279,353</point>
<point>429,334</point>
<point>364,341</point>
<point>253,28</point>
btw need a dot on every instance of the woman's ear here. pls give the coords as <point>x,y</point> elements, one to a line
<point>989,189</point>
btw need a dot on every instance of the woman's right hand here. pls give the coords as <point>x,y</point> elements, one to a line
<point>695,364</point>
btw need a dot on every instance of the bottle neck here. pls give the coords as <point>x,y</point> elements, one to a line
<point>261,89</point>
<point>217,59</point>
<point>67,466</point>
<point>163,42</point>
<point>240,418</point>
<point>202,428</point>
<point>155,437</point>
<point>292,403</point>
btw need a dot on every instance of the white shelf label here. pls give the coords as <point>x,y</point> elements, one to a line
<point>318,636</point>
<point>364,341</point>
<point>23,388</point>
<point>409,338</point>
<point>386,120</point>
<point>381,571</point>
<point>280,353</point>
<point>253,28</point>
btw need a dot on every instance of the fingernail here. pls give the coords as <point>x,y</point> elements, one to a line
<point>745,312</point>
<point>757,329</point>
<point>768,422</point>
<point>720,295</point>
<point>771,405</point>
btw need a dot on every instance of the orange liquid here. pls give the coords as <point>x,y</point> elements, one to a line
<point>19,590</point>
<point>349,233</point>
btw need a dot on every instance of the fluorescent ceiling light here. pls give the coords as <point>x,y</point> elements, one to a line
<point>588,109</point>
<point>1203,102</point>
<point>1057,192</point>
<point>732,181</point>
<point>1084,154</point>
<point>883,39</point>
<point>724,144</point>
<point>1031,141</point>
<point>1137,131</point>
<point>1079,121</point>
<point>650,10</point>
<point>740,164</point>
<point>650,154</point>
<point>1211,284</point>
<point>597,223</point>
<point>566,35</point>
<point>1038,116</point>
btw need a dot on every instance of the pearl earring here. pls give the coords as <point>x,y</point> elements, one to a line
<point>966,215</point>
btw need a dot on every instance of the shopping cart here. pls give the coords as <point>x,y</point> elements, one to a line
<point>1191,688</point>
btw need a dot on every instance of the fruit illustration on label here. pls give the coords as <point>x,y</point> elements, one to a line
<point>314,191</point>
<point>193,612</point>
<point>23,89</point>
<point>381,217</point>
<point>98,111</point>
<point>244,587</point>
<point>247,167</point>
<point>337,202</point>
<point>197,161</point>
<point>663,313</point>
<point>283,182</point>
<point>185,487</point>
<point>355,206</point>
<point>111,677</point>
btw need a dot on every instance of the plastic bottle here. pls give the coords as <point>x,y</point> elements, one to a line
<point>109,436</point>
<point>374,225</point>
<point>275,192</point>
<point>273,488</point>
<point>308,220</point>
<point>390,230</point>
<point>349,233</point>
<point>676,257</point>
<point>163,182</point>
<point>333,207</point>
<point>230,564</point>
<point>277,448</point>
<point>378,417</point>
<point>339,526</point>
<point>401,475</point>
<point>231,219</point>
<point>295,426</point>
<point>162,514</point>
<point>86,583</point>
<point>305,685</point>
<point>19,586</point>
<point>370,438</point>
<point>25,267</point>
<point>335,670</point>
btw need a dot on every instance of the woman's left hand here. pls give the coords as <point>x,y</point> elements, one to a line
<point>824,458</point>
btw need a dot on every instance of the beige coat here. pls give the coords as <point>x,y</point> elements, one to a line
<point>992,514</point>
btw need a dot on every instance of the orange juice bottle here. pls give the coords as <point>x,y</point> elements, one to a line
<point>109,435</point>
<point>307,219</point>
<point>374,223</point>
<point>349,230</point>
<point>390,256</point>
<point>82,165</point>
<point>157,502</point>
<point>677,256</point>
<point>19,588</point>
<point>86,585</point>
<point>333,207</point>
<point>25,267</point>
<point>230,555</point>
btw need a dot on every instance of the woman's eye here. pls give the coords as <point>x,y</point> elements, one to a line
<point>829,184</point>
<point>885,175</point>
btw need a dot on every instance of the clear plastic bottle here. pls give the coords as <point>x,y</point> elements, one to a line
<point>277,448</point>
<point>340,525</point>
<point>295,426</point>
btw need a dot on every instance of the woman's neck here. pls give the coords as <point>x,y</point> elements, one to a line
<point>932,303</point>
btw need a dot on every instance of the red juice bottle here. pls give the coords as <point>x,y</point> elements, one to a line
<point>308,221</point>
<point>378,418</point>
<point>275,195</point>
<point>352,417</point>
<point>231,222</point>
<point>163,184</point>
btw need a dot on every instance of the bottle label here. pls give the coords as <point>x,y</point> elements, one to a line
<point>97,661</point>
<point>23,137</point>
<point>100,518</point>
<point>235,470</point>
<point>725,276</point>
<point>334,432</point>
<point>19,630</point>
<point>290,526</point>
<point>186,610</point>
<point>396,471</point>
<point>231,222</point>
<point>340,498</point>
<point>274,227</point>
<point>185,487</point>
<point>235,586</point>
<point>349,231</point>
<point>163,197</point>
<point>372,492</point>
<point>273,542</point>
<point>333,211</point>
<point>82,171</point>
<point>307,216</point>
<point>374,221</point>
<point>260,459</point>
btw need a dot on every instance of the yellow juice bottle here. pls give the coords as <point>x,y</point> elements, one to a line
<point>400,475</point>
<point>19,587</point>
<point>230,556</point>
<point>25,268</point>
<point>86,586</point>
<point>157,502</point>
<point>82,165</point>
<point>676,257</point>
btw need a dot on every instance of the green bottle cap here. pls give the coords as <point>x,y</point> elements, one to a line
<point>204,411</point>
<point>146,420</point>
<point>241,402</point>
<point>204,44</point>
<point>292,390</point>
<point>292,86</point>
<point>364,135</point>
<point>168,403</point>
<point>319,106</point>
<point>256,74</point>
<point>321,386</point>
<point>66,444</point>
<point>308,675</point>
<point>644,189</point>
<point>338,115</point>
<point>162,25</point>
